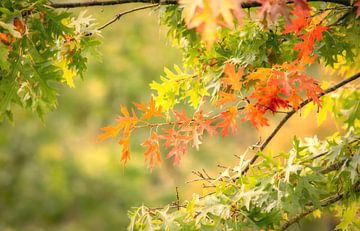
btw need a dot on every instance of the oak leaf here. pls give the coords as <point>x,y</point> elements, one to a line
<point>150,110</point>
<point>125,153</point>
<point>232,78</point>
<point>125,123</point>
<point>152,153</point>
<point>255,116</point>
<point>177,142</point>
<point>225,98</point>
<point>301,20</point>
<point>228,121</point>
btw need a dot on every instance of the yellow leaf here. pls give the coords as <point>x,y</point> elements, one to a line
<point>317,213</point>
<point>285,217</point>
<point>68,74</point>
<point>343,67</point>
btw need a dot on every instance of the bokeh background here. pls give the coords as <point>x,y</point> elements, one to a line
<point>53,174</point>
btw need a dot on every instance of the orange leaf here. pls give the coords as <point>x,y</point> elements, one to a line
<point>306,47</point>
<point>109,131</point>
<point>125,153</point>
<point>190,7</point>
<point>295,99</point>
<point>125,123</point>
<point>150,110</point>
<point>6,38</point>
<point>259,74</point>
<point>225,98</point>
<point>228,121</point>
<point>19,25</point>
<point>301,21</point>
<point>207,15</point>
<point>232,78</point>
<point>152,154</point>
<point>255,116</point>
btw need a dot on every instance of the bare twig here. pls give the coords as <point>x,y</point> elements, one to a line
<point>222,166</point>
<point>291,113</point>
<point>119,15</point>
<point>177,198</point>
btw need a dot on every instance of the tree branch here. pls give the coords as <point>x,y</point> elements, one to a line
<point>326,202</point>
<point>163,2</point>
<point>291,113</point>
<point>89,3</point>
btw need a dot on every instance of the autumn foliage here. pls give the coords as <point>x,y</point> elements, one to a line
<point>242,62</point>
<point>260,91</point>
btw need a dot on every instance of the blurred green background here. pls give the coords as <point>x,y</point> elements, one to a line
<point>54,176</point>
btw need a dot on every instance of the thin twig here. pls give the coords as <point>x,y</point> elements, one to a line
<point>177,198</point>
<point>119,15</point>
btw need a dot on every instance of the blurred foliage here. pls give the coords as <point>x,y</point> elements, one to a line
<point>52,174</point>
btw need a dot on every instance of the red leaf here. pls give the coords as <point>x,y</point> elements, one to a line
<point>306,47</point>
<point>182,118</point>
<point>311,88</point>
<point>357,4</point>
<point>301,21</point>
<point>177,142</point>
<point>228,121</point>
<point>152,153</point>
<point>199,126</point>
<point>267,96</point>
<point>255,116</point>
<point>273,8</point>
<point>19,25</point>
<point>318,31</point>
<point>302,6</point>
